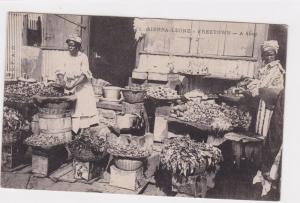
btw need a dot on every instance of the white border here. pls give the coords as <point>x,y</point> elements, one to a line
<point>268,11</point>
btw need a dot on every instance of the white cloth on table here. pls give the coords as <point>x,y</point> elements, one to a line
<point>85,113</point>
<point>266,185</point>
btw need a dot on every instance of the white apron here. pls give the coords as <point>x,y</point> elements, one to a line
<point>85,113</point>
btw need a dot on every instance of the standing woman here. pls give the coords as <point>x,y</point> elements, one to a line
<point>271,75</point>
<point>270,87</point>
<point>76,77</point>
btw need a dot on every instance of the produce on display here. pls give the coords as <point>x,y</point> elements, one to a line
<point>185,156</point>
<point>129,150</point>
<point>162,92</point>
<point>194,94</point>
<point>13,123</point>
<point>95,139</point>
<point>45,140</point>
<point>51,91</point>
<point>239,118</point>
<point>21,91</point>
<point>89,145</point>
<point>220,117</point>
<point>238,89</point>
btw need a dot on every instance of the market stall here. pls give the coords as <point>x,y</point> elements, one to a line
<point>168,126</point>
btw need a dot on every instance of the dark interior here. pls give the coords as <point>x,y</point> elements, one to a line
<point>112,48</point>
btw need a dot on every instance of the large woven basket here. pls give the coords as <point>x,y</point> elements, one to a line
<point>134,96</point>
<point>128,164</point>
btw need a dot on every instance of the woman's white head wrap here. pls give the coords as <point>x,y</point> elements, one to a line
<point>270,45</point>
<point>74,38</point>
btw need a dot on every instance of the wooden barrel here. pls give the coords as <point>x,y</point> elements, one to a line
<point>56,125</point>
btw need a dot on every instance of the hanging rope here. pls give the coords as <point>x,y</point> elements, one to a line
<point>82,26</point>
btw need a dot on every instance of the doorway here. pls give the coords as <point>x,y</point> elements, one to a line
<point>112,49</point>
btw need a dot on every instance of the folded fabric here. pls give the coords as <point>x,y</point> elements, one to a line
<point>266,185</point>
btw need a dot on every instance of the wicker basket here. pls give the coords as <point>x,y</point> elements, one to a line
<point>98,85</point>
<point>134,96</point>
<point>86,153</point>
<point>98,90</point>
<point>128,164</point>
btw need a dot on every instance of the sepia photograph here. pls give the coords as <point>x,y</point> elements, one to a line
<point>143,106</point>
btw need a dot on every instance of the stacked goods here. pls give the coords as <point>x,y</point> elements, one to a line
<point>184,156</point>
<point>220,117</point>
<point>13,123</point>
<point>162,92</point>
<point>21,91</point>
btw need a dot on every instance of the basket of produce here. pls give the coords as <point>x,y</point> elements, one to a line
<point>185,157</point>
<point>46,141</point>
<point>84,152</point>
<point>134,94</point>
<point>91,145</point>
<point>52,101</point>
<point>128,157</point>
<point>128,164</point>
<point>98,85</point>
<point>131,151</point>
<point>162,93</point>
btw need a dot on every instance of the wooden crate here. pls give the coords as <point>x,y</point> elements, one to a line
<point>137,108</point>
<point>45,161</point>
<point>195,185</point>
<point>131,180</point>
<point>88,170</point>
<point>13,155</point>
<point>160,128</point>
